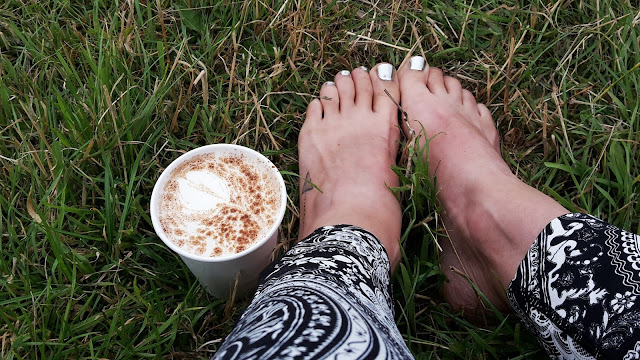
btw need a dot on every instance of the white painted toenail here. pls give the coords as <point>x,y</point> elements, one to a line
<point>417,63</point>
<point>364,68</point>
<point>330,83</point>
<point>385,72</point>
<point>345,72</point>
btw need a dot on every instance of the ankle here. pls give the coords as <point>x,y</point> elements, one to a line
<point>503,218</point>
<point>380,215</point>
<point>466,190</point>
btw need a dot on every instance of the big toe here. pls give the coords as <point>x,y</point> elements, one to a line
<point>413,76</point>
<point>386,97</point>
<point>386,90</point>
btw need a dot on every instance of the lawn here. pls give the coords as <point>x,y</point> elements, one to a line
<point>97,98</point>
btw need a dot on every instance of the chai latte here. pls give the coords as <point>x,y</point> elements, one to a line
<point>219,204</point>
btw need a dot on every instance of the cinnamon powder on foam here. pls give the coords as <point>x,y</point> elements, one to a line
<point>219,204</point>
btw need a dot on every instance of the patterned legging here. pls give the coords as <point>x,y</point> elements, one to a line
<point>329,297</point>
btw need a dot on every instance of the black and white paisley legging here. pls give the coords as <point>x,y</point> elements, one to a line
<point>329,297</point>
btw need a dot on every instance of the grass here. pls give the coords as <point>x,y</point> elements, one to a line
<point>96,98</point>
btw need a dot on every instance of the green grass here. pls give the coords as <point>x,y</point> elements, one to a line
<point>96,98</point>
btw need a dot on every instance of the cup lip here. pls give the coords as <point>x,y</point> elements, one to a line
<point>161,181</point>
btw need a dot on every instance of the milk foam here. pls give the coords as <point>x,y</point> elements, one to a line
<point>219,204</point>
<point>202,190</point>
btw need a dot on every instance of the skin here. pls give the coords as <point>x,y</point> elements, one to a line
<point>346,147</point>
<point>492,218</point>
<point>350,140</point>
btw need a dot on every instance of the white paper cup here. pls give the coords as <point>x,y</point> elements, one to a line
<point>219,274</point>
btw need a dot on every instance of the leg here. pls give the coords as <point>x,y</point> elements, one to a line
<point>577,288</point>
<point>491,217</point>
<point>347,146</point>
<point>330,294</point>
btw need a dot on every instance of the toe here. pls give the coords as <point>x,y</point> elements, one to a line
<point>435,82</point>
<point>488,126</point>
<point>453,87</point>
<point>485,113</point>
<point>413,75</point>
<point>314,112</point>
<point>469,105</point>
<point>346,89</point>
<point>313,117</point>
<point>383,78</point>
<point>468,100</point>
<point>329,98</point>
<point>485,120</point>
<point>364,88</point>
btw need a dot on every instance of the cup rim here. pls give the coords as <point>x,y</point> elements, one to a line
<point>206,149</point>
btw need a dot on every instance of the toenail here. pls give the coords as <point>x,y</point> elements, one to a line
<point>345,72</point>
<point>385,72</point>
<point>417,63</point>
<point>366,69</point>
<point>330,83</point>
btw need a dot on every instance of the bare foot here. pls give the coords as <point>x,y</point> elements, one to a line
<point>347,146</point>
<point>491,217</point>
